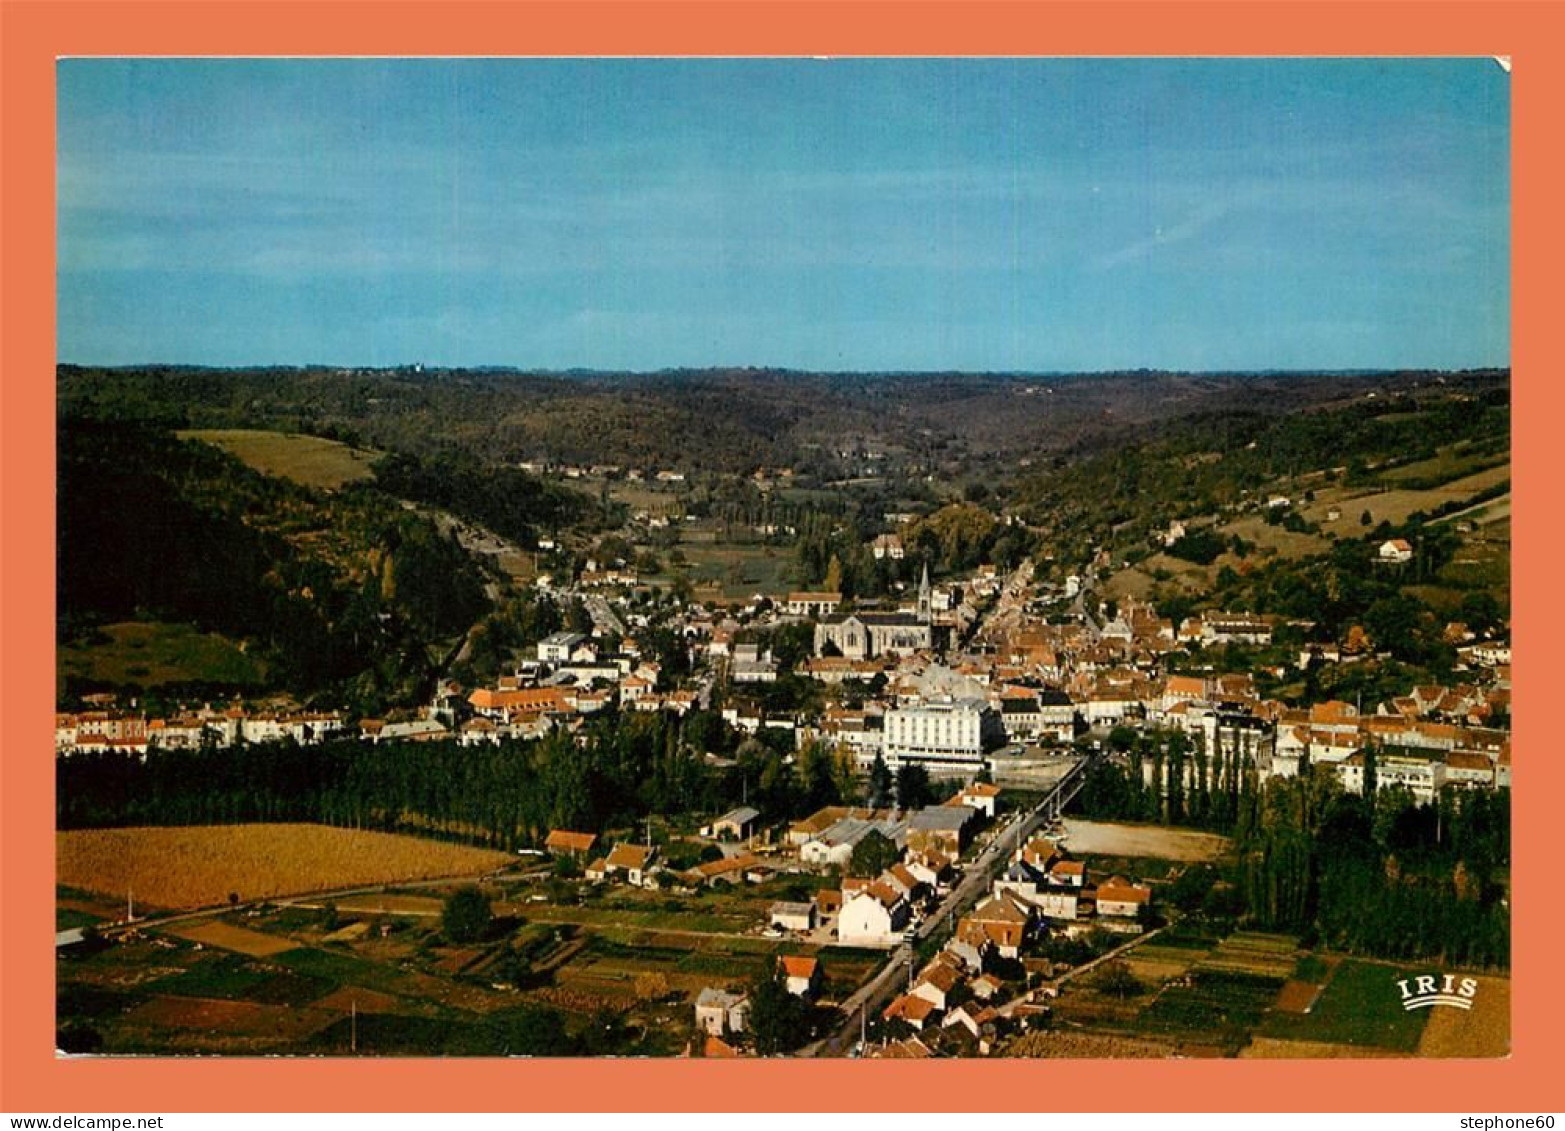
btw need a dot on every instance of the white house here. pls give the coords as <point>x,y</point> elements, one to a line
<point>980,796</point>
<point>719,1012</point>
<point>873,916</point>
<point>802,974</point>
<point>812,604</point>
<point>1396,550</point>
<point>1119,897</point>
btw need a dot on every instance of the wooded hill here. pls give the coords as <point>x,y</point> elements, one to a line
<point>731,420</point>
<point>341,592</point>
<point>1202,466</point>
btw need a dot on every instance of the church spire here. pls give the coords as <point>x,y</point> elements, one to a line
<point>926,612</point>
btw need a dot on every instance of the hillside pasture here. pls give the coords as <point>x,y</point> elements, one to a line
<point>1395,505</point>
<point>1283,542</point>
<point>154,654</point>
<point>201,866</point>
<point>310,460</point>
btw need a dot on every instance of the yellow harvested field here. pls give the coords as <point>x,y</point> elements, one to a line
<point>1274,1048</point>
<point>1484,1030</point>
<point>229,937</point>
<point>201,866</point>
<point>304,459</point>
<point>351,933</point>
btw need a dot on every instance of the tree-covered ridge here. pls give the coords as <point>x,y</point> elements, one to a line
<point>339,591</point>
<point>508,501</point>
<point>726,420</point>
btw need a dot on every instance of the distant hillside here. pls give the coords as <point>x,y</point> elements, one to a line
<point>1207,467</point>
<point>1284,514</point>
<point>720,420</point>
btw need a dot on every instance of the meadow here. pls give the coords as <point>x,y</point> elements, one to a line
<point>152,654</point>
<point>1258,995</point>
<point>310,460</point>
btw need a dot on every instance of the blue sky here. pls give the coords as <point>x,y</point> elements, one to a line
<point>867,215</point>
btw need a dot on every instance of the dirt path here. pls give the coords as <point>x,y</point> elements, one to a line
<point>1086,838</point>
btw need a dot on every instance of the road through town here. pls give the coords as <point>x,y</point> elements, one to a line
<point>976,878</point>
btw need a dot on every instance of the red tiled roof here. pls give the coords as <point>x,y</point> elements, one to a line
<point>630,856</point>
<point>799,965</point>
<point>570,841</point>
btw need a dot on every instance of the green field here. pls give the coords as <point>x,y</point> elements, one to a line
<point>154,654</point>
<point>740,569</point>
<point>309,460</point>
<point>1211,1006</point>
<point>1361,1007</point>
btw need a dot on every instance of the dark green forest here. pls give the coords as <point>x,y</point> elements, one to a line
<point>342,593</point>
<point>1381,875</point>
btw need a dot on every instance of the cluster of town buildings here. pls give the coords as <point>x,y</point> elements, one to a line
<point>969,993</point>
<point>930,682</point>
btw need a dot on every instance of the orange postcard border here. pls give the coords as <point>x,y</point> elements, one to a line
<point>33,33</point>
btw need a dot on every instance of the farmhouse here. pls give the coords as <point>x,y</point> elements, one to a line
<point>1119,897</point>
<point>730,870</point>
<point>634,860</point>
<point>1395,551</point>
<point>719,1012</point>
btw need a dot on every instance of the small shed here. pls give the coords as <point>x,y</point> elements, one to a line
<point>736,823</point>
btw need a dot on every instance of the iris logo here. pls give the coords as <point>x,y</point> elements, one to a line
<point>1427,990</point>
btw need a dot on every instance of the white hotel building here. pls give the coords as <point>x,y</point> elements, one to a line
<point>952,734</point>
